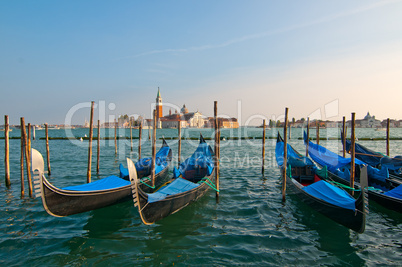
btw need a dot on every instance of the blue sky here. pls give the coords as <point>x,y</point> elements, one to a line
<point>261,56</point>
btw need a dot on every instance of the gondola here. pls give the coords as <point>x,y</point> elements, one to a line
<point>190,182</point>
<point>376,159</point>
<point>60,202</point>
<point>306,181</point>
<point>143,166</point>
<point>384,191</point>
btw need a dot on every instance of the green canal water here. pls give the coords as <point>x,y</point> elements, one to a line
<point>249,226</point>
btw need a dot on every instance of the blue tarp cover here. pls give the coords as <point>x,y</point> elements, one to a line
<point>396,192</point>
<point>376,159</point>
<point>123,171</point>
<point>201,158</point>
<point>364,154</point>
<point>337,164</point>
<point>179,185</point>
<point>294,158</point>
<point>144,164</point>
<point>331,194</point>
<point>102,184</point>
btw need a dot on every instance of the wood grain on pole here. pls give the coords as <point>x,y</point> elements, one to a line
<point>216,149</point>
<point>139,141</point>
<point>47,149</point>
<point>7,150</point>
<point>263,146</point>
<point>98,148</point>
<point>115,137</point>
<point>179,149</point>
<point>308,135</point>
<point>153,149</point>
<point>219,148</point>
<point>352,164</point>
<point>91,122</point>
<point>285,156</point>
<point>344,136</point>
<point>27,160</point>
<point>22,161</point>
<point>29,141</point>
<point>318,133</point>
<point>388,122</point>
<point>219,144</point>
<point>290,131</point>
<point>131,135</point>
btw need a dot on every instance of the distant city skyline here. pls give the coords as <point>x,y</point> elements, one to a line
<point>254,57</point>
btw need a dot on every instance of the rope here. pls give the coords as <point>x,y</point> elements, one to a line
<point>370,155</point>
<point>147,178</point>
<point>381,155</point>
<point>370,188</point>
<point>209,183</point>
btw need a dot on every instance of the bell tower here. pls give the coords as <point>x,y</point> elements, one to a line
<point>159,113</point>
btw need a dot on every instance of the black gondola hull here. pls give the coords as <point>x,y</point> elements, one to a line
<point>153,212</point>
<point>384,200</point>
<point>354,220</point>
<point>60,203</point>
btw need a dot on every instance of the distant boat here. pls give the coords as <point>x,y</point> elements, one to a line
<point>53,127</point>
<point>380,129</point>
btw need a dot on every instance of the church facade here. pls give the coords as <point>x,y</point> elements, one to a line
<point>187,119</point>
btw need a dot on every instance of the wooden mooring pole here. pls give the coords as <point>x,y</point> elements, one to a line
<point>285,155</point>
<point>263,146</point>
<point>352,153</point>
<point>47,149</point>
<point>115,137</point>
<point>29,141</point>
<point>344,136</point>
<point>179,136</point>
<point>153,149</point>
<point>98,154</point>
<point>91,122</point>
<point>7,150</point>
<point>22,161</point>
<point>131,136</point>
<point>219,145</point>
<point>308,135</point>
<point>318,133</point>
<point>216,149</point>
<point>139,141</point>
<point>388,122</point>
<point>27,159</point>
<point>290,131</point>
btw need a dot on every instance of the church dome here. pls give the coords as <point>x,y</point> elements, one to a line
<point>184,110</point>
<point>367,117</point>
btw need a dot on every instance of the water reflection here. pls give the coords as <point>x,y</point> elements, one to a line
<point>332,238</point>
